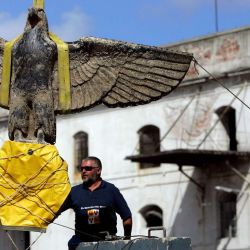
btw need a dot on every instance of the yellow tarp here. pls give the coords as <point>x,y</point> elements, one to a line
<point>33,185</point>
<point>6,72</point>
<point>38,4</point>
<point>63,72</point>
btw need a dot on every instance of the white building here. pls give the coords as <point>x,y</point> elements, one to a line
<point>187,194</point>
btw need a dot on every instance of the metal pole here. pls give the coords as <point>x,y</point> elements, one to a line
<point>216,15</point>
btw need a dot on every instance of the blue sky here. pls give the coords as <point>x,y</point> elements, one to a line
<point>151,22</point>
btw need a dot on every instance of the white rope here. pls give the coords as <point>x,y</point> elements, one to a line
<point>222,84</point>
<point>219,119</point>
<point>34,241</point>
<point>12,241</point>
<point>177,119</point>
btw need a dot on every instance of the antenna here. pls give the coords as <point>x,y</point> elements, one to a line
<point>216,15</point>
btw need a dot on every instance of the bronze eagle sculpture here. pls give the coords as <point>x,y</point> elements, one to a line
<point>102,71</point>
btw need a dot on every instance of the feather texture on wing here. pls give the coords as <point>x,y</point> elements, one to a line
<point>120,74</point>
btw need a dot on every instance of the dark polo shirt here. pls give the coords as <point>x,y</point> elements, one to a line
<point>95,211</point>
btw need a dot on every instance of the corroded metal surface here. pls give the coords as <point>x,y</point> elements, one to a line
<point>115,73</point>
<point>145,244</point>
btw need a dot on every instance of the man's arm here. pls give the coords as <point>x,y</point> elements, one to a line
<point>66,205</point>
<point>127,226</point>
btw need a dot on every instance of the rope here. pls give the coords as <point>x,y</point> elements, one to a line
<point>219,119</point>
<point>237,172</point>
<point>22,188</point>
<point>33,243</point>
<point>177,119</point>
<point>172,126</point>
<point>194,117</point>
<point>196,62</point>
<point>241,108</point>
<point>79,231</point>
<point>12,241</point>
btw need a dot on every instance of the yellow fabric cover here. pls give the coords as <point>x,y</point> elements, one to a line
<point>6,72</point>
<point>33,185</point>
<point>63,72</point>
<point>38,4</point>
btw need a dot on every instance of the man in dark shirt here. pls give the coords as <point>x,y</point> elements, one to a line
<point>96,203</point>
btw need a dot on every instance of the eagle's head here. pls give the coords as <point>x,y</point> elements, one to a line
<point>36,18</point>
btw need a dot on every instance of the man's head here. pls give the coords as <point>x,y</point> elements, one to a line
<point>91,169</point>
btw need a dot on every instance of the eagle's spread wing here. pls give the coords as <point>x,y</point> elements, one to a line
<point>120,74</point>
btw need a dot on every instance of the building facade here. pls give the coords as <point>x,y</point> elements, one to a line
<point>207,200</point>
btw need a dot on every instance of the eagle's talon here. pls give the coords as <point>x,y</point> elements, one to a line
<point>18,136</point>
<point>40,136</point>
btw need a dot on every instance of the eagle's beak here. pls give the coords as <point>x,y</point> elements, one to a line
<point>33,17</point>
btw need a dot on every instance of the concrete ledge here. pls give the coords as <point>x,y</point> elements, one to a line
<point>136,244</point>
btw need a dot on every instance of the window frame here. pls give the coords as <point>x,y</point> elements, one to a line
<point>149,143</point>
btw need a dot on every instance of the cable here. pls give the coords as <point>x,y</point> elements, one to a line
<point>193,119</point>
<point>219,119</point>
<point>34,241</point>
<point>196,62</point>
<point>241,108</point>
<point>171,127</point>
<point>177,119</point>
<point>12,241</point>
<point>76,230</point>
<point>22,189</point>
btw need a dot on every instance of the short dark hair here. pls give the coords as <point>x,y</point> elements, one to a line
<point>95,159</point>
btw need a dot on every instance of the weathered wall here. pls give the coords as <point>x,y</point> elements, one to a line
<point>222,53</point>
<point>113,136</point>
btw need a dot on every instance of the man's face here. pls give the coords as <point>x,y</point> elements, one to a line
<point>90,172</point>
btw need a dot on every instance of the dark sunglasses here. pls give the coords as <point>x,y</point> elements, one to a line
<point>87,168</point>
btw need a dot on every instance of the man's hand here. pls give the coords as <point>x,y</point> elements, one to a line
<point>127,226</point>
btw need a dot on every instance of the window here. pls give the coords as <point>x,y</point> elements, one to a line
<point>228,119</point>
<point>80,151</point>
<point>149,142</point>
<point>152,215</point>
<point>228,215</point>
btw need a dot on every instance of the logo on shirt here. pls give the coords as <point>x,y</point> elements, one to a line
<point>93,216</point>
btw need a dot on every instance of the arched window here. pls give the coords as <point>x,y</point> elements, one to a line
<point>81,150</point>
<point>228,119</point>
<point>228,214</point>
<point>149,142</point>
<point>152,215</point>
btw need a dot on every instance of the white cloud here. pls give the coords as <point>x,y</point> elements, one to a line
<point>170,8</point>
<point>74,24</point>
<point>10,26</point>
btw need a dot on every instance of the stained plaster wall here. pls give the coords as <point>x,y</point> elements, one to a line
<point>113,136</point>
